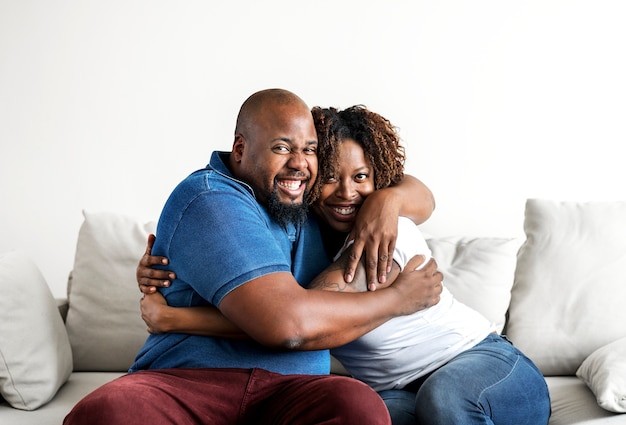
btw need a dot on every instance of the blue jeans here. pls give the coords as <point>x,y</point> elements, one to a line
<point>491,383</point>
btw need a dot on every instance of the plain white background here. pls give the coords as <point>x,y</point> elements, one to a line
<point>107,105</point>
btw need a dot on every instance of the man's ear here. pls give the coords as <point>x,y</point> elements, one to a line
<point>238,147</point>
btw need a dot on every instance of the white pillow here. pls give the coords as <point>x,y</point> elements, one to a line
<point>478,271</point>
<point>35,353</point>
<point>569,291</point>
<point>104,321</point>
<point>604,372</point>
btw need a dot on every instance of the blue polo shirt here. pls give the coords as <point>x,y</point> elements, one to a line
<point>218,237</point>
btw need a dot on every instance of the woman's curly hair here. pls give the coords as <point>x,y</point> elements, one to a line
<point>376,135</point>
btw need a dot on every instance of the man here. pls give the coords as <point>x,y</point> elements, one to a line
<point>235,233</point>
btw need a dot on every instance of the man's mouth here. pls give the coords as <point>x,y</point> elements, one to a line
<point>290,184</point>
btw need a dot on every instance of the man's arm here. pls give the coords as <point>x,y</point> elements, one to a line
<point>285,315</point>
<point>376,226</point>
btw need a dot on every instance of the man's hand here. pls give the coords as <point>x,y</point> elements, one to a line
<point>421,288</point>
<point>149,278</point>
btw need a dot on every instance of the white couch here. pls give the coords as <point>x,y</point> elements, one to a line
<point>558,294</point>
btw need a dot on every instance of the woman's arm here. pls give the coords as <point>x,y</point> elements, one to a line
<point>376,227</point>
<point>161,318</point>
<point>204,320</point>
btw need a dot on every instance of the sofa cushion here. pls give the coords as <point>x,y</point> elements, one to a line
<point>103,320</point>
<point>567,300</point>
<point>478,271</point>
<point>574,404</point>
<point>35,353</point>
<point>604,372</point>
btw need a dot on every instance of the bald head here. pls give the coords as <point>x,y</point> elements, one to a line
<point>264,101</point>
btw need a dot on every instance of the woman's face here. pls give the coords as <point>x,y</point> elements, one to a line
<point>344,193</point>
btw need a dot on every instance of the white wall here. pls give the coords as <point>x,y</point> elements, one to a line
<point>106,105</point>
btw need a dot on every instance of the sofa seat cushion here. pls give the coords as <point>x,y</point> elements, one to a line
<point>77,386</point>
<point>573,403</point>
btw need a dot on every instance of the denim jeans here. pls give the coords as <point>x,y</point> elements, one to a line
<point>491,383</point>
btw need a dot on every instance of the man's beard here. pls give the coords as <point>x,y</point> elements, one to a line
<point>285,213</point>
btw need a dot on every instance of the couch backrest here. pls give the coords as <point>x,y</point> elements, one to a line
<point>103,320</point>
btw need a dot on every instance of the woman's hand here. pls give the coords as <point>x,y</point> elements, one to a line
<point>154,310</point>
<point>376,226</point>
<point>375,231</point>
<point>149,278</point>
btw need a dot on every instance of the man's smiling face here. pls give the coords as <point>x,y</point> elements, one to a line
<point>277,155</point>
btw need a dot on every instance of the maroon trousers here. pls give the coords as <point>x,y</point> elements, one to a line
<point>229,397</point>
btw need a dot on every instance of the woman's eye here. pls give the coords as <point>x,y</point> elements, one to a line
<point>361,177</point>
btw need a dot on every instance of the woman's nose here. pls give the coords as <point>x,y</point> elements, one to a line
<point>345,190</point>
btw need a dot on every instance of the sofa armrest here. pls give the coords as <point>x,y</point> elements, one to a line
<point>63,304</point>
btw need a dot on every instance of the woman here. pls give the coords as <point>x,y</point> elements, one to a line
<point>449,363</point>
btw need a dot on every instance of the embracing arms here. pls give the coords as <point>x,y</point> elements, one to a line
<point>350,320</point>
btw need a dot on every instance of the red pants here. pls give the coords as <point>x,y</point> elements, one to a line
<point>229,397</point>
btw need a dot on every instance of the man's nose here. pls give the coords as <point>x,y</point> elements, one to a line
<point>297,161</point>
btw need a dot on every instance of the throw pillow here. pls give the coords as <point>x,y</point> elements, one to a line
<point>604,372</point>
<point>35,353</point>
<point>479,272</point>
<point>103,293</point>
<point>567,300</point>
